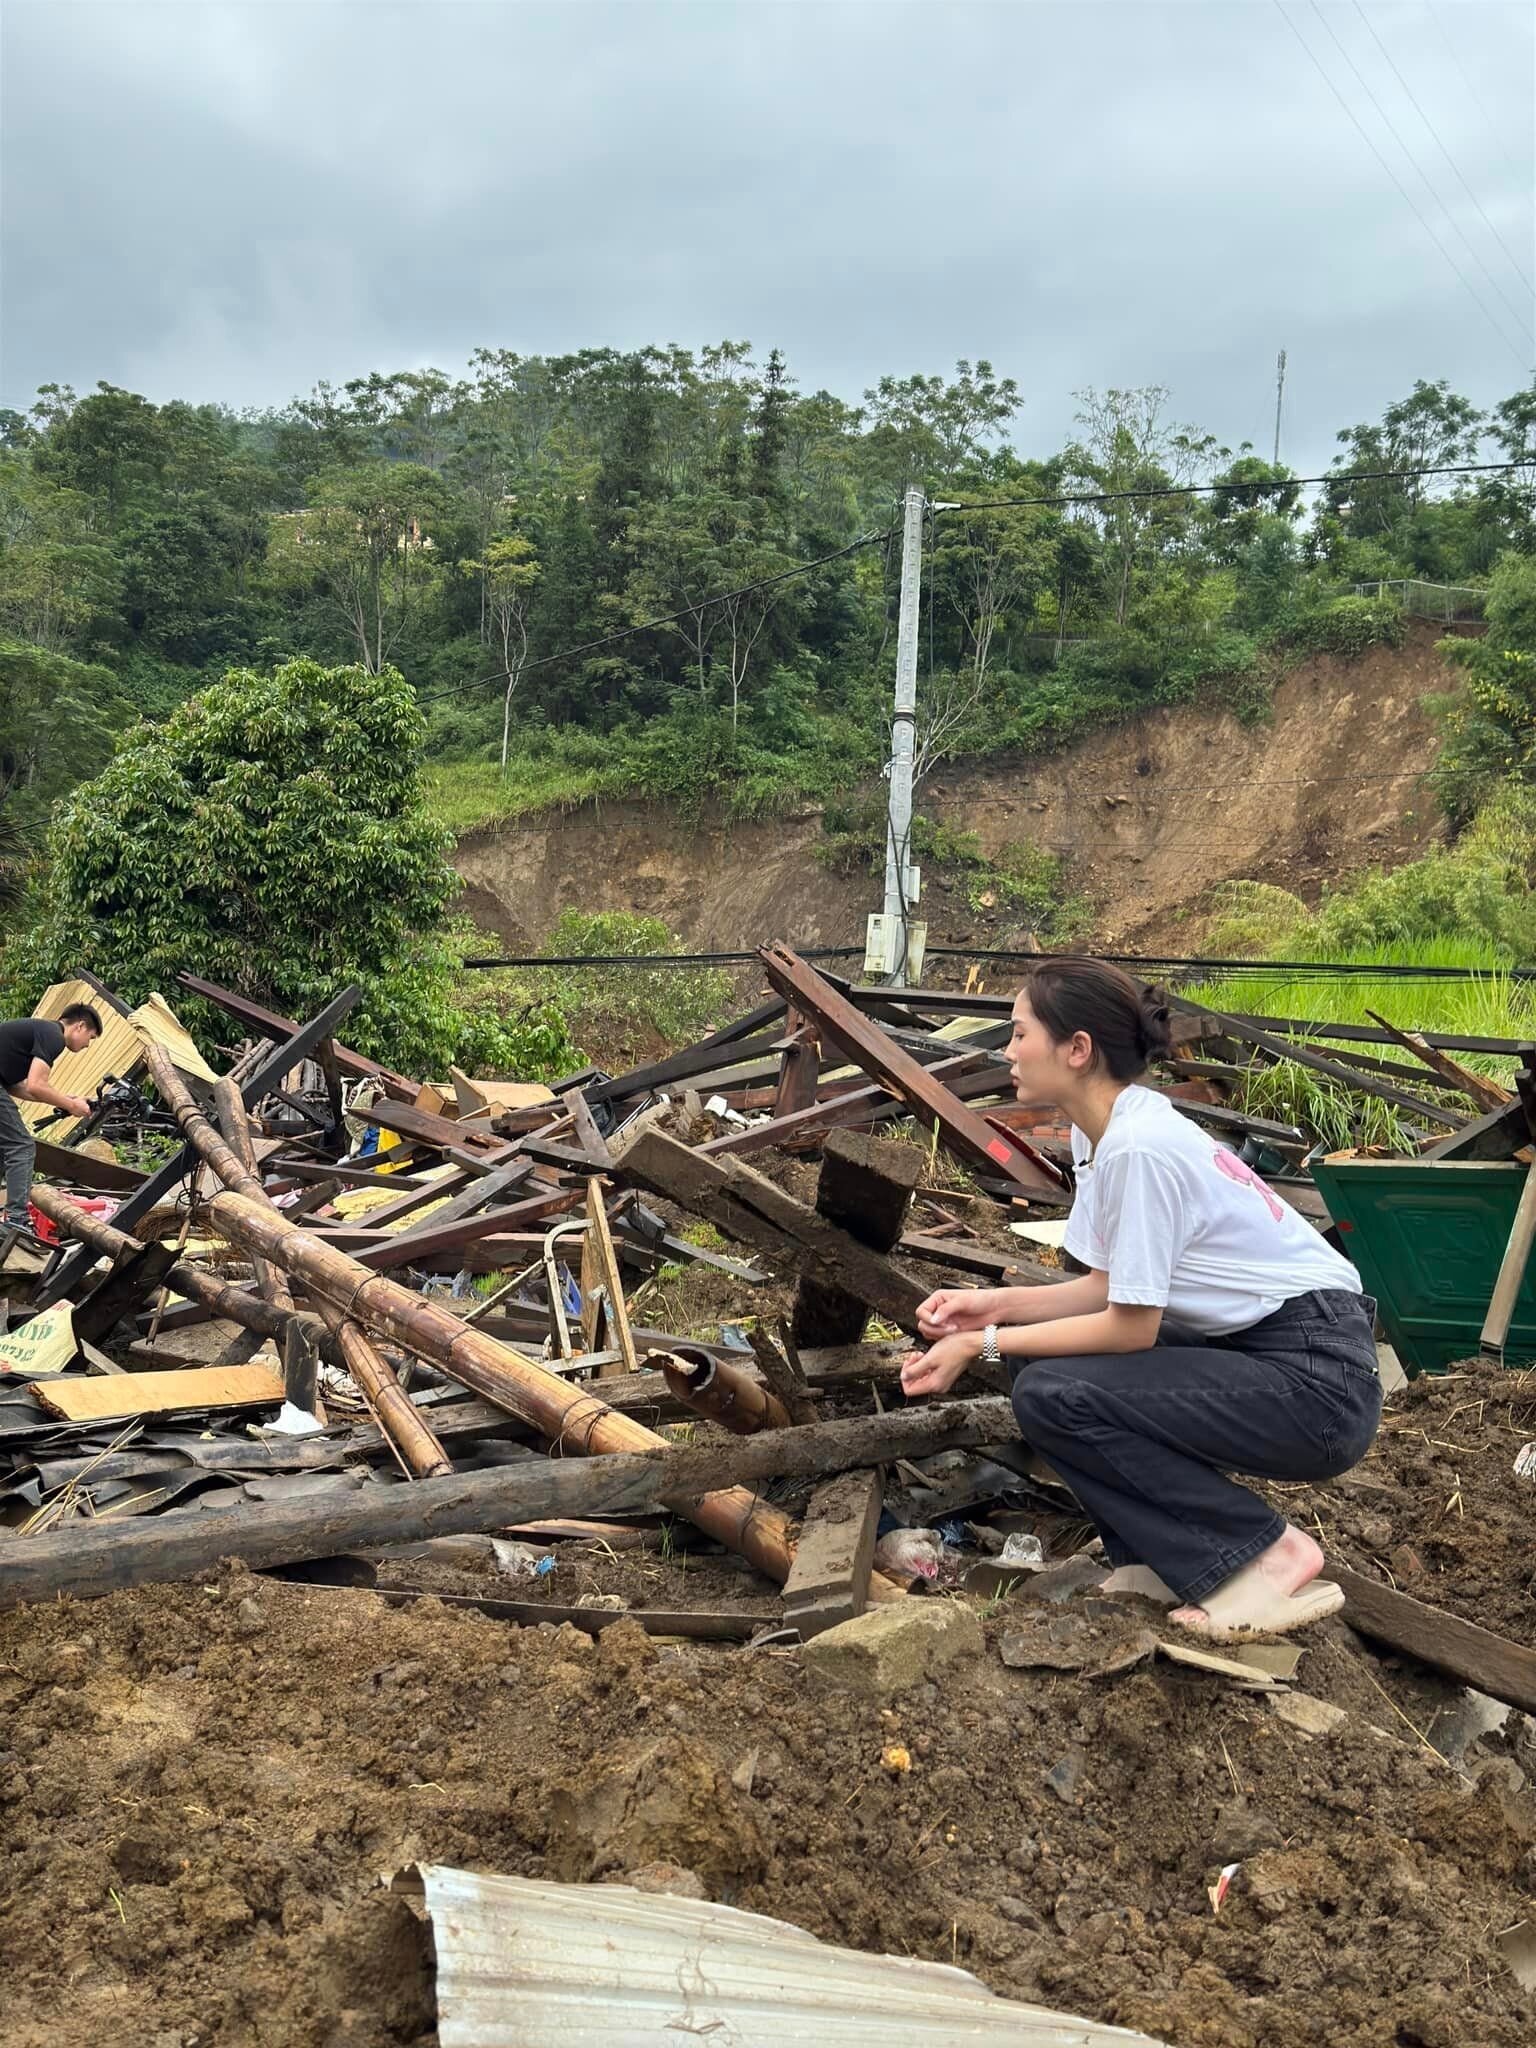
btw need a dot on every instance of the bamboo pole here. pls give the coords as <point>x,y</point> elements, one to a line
<point>401,1422</point>
<point>720,1393</point>
<point>219,1297</point>
<point>569,1419</point>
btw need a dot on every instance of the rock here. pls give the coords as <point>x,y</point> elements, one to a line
<point>1311,1716</point>
<point>663,1877</point>
<point>1064,1777</point>
<point>1021,1914</point>
<point>1376,1532</point>
<point>1062,1581</point>
<point>249,1618</point>
<point>662,1802</point>
<point>891,1648</point>
<point>1406,1563</point>
<point>1242,1831</point>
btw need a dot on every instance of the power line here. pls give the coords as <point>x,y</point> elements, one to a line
<point>1407,196</point>
<point>1490,125</point>
<point>1237,490</point>
<point>1440,145</point>
<point>689,611</point>
<point>1519,318</point>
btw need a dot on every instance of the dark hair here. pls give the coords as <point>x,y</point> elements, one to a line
<point>1127,1023</point>
<point>81,1013</point>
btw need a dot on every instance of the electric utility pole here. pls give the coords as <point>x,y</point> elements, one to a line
<point>1279,401</point>
<point>899,879</point>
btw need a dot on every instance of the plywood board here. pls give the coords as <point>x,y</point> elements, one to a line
<point>160,1393</point>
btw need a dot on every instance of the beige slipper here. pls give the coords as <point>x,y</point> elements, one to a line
<point>1250,1604</point>
<point>1141,1581</point>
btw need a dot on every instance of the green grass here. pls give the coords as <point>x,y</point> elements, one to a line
<point>1491,1006</point>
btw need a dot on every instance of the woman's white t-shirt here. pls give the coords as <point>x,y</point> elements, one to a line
<point>1178,1222</point>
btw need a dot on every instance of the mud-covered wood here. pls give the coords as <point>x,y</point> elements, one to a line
<point>865,1187</point>
<point>829,1579</point>
<point>1490,1663</point>
<point>88,1559</point>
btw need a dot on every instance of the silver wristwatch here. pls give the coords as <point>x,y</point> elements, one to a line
<point>991,1351</point>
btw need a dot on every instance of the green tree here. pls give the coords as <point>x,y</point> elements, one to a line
<point>366,543</point>
<point>509,572</point>
<point>1490,725</point>
<point>271,835</point>
<point>111,447</point>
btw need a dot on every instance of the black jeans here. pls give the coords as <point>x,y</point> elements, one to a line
<point>1145,1438</point>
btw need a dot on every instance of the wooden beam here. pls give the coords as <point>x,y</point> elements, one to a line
<point>89,1559</point>
<point>749,1208</point>
<point>965,1134</point>
<point>829,1579</point>
<point>1517,1256</point>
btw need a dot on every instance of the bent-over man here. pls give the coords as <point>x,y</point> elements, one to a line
<point>28,1048</point>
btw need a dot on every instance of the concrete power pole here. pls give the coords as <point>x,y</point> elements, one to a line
<point>900,881</point>
<point>1279,401</point>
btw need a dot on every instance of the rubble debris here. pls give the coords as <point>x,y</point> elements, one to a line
<point>887,1650</point>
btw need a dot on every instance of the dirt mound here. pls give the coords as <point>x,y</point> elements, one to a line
<point>1147,817</point>
<point>201,1786</point>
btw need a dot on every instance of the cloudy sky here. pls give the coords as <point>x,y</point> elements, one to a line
<point>230,201</point>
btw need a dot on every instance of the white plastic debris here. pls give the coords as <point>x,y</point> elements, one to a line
<point>910,1553</point>
<point>1024,1553</point>
<point>520,1560</point>
<point>291,1421</point>
<point>1525,1462</point>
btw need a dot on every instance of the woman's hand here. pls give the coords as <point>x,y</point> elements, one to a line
<point>952,1309</point>
<point>935,1370</point>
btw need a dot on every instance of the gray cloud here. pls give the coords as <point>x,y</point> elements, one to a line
<point>230,201</point>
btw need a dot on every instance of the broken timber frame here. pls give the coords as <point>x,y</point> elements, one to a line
<point>863,1041</point>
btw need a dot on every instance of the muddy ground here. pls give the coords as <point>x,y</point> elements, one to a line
<point>202,1785</point>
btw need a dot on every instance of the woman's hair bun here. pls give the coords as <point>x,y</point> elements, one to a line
<point>1156,1024</point>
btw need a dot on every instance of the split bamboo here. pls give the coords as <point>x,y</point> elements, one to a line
<point>570,1419</point>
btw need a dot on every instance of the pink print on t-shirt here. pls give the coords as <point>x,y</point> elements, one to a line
<point>1233,1167</point>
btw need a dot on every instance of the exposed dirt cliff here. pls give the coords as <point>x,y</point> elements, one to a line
<point>1146,817</point>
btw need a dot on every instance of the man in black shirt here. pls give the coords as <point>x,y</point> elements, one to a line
<point>28,1048</point>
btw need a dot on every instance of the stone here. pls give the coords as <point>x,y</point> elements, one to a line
<point>249,1618</point>
<point>1063,1581</point>
<point>1311,1716</point>
<point>1242,1831</point>
<point>1021,1914</point>
<point>1064,1777</point>
<point>891,1648</point>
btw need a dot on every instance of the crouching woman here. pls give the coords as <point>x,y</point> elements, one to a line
<point>1214,1331</point>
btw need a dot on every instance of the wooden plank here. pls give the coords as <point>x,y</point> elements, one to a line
<point>604,1315</point>
<point>588,1136</point>
<point>1491,1663</point>
<point>850,1105</point>
<point>1485,1094</point>
<point>131,1281</point>
<point>877,1052</point>
<point>160,1393</point>
<point>741,1036</point>
<point>268,1024</point>
<point>407,1121</point>
<point>829,1579</point>
<point>1517,1256</point>
<point>865,1186</point>
<point>79,1169</point>
<point>433,1237</point>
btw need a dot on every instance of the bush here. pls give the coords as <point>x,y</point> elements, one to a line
<point>1348,626</point>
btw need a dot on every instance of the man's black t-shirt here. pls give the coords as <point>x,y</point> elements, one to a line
<point>26,1040</point>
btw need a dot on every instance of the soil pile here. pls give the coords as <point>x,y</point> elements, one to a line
<point>202,1786</point>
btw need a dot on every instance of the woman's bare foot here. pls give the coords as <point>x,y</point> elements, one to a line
<point>1291,1562</point>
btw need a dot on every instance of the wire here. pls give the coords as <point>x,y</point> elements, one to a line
<point>1520,320</point>
<point>1240,490</point>
<point>1514,262</point>
<point>1194,964</point>
<point>1408,197</point>
<point>689,611</point>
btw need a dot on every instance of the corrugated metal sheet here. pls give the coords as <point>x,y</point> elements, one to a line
<point>522,1964</point>
<point>119,1050</point>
